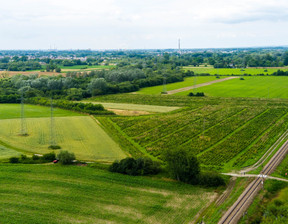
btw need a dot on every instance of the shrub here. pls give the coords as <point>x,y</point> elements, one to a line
<point>197,94</point>
<point>14,160</point>
<point>49,157</point>
<point>23,157</point>
<point>35,157</point>
<point>211,179</point>
<point>134,167</point>
<point>66,157</point>
<point>54,147</point>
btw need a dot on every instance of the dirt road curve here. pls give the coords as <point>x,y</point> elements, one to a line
<point>240,206</point>
<point>199,85</point>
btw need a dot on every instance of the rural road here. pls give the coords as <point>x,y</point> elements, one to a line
<point>199,85</point>
<point>235,212</point>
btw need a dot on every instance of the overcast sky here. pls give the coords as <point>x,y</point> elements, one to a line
<point>135,24</point>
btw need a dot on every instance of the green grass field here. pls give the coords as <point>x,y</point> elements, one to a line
<point>255,86</point>
<point>233,71</point>
<point>190,81</point>
<point>58,194</point>
<point>10,111</point>
<point>81,135</point>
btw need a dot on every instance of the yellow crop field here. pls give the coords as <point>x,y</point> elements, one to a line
<point>80,134</point>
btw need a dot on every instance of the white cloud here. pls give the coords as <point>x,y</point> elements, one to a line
<point>133,23</point>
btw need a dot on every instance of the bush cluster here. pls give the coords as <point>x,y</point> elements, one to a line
<point>196,94</point>
<point>89,108</point>
<point>66,157</point>
<point>46,158</point>
<point>135,167</point>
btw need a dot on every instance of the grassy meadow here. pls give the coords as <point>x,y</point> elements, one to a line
<point>57,194</point>
<point>251,86</point>
<point>11,111</point>
<point>190,81</point>
<point>233,71</point>
<point>80,134</point>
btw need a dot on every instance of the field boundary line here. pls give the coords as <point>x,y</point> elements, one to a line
<point>199,85</point>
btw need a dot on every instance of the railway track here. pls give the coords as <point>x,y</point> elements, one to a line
<point>239,207</point>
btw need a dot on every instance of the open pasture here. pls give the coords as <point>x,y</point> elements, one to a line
<point>11,111</point>
<point>57,194</point>
<point>234,71</point>
<point>189,81</point>
<point>255,86</point>
<point>81,135</point>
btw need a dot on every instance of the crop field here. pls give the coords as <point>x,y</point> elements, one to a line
<point>234,71</point>
<point>190,81</point>
<point>237,134</point>
<point>10,111</point>
<point>81,135</point>
<point>56,194</point>
<point>255,86</point>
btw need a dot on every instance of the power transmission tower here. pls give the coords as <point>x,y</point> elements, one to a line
<point>23,131</point>
<point>179,46</point>
<point>52,136</point>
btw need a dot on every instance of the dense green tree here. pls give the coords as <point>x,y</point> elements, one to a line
<point>182,165</point>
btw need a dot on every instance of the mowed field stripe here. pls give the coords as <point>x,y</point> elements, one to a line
<point>199,85</point>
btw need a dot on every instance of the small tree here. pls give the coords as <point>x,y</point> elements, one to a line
<point>182,165</point>
<point>66,157</point>
<point>58,69</point>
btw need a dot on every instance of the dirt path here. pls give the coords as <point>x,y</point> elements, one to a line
<point>255,175</point>
<point>199,85</point>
